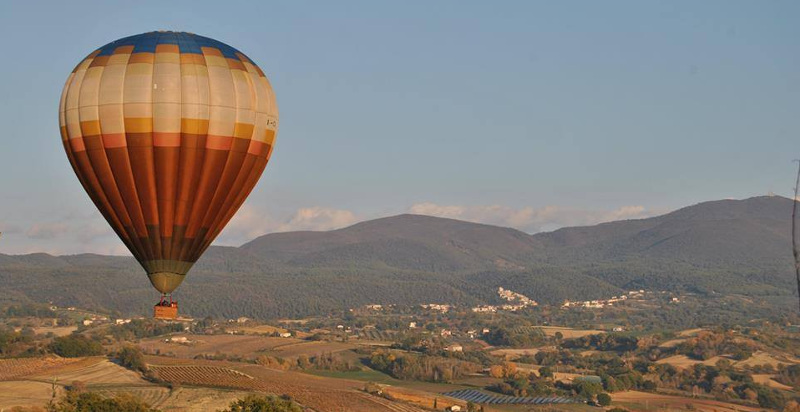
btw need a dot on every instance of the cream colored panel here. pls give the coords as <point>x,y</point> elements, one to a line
<point>74,92</point>
<point>221,92</point>
<point>221,121</point>
<point>62,103</point>
<point>138,110</point>
<point>244,95</point>
<point>90,87</point>
<point>138,86</point>
<point>167,117</point>
<point>272,106</point>
<point>111,118</point>
<point>260,129</point>
<point>111,85</point>
<point>260,93</point>
<point>166,82</point>
<point>195,111</point>
<point>194,86</point>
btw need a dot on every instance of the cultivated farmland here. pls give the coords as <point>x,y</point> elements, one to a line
<point>322,394</point>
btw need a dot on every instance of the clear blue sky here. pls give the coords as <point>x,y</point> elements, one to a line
<point>527,114</point>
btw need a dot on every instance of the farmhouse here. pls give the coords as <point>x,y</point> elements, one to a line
<point>454,348</point>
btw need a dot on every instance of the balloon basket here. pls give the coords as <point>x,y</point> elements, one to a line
<point>166,308</point>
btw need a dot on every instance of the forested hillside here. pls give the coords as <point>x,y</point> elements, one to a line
<point>729,246</point>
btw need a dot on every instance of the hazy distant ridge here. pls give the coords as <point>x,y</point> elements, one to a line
<point>740,246</point>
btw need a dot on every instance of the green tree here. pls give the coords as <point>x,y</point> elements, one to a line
<point>255,403</point>
<point>604,399</point>
<point>131,357</point>
<point>588,390</point>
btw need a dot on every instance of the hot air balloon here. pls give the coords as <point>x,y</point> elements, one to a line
<point>168,133</point>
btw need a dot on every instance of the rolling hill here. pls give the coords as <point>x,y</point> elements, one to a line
<point>727,246</point>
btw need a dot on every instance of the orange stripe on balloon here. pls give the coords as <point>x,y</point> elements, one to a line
<point>77,144</point>
<point>256,147</point>
<point>113,140</point>
<point>219,142</point>
<point>166,139</point>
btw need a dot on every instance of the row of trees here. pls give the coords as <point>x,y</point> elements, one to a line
<point>421,367</point>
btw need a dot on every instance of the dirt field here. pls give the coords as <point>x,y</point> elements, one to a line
<point>569,333</point>
<point>647,401</point>
<point>91,371</point>
<point>231,345</point>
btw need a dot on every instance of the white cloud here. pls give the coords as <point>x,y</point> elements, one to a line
<point>318,218</point>
<point>530,219</point>
<point>47,230</point>
<point>251,222</point>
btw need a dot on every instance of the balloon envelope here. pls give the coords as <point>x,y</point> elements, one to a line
<point>168,133</point>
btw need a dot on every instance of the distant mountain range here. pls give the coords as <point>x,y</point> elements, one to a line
<point>726,246</point>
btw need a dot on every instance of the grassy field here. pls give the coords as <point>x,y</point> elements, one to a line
<point>512,354</point>
<point>55,330</point>
<point>683,361</point>
<point>569,333</point>
<point>309,348</point>
<point>260,330</point>
<point>766,379</point>
<point>764,358</point>
<point>672,343</point>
